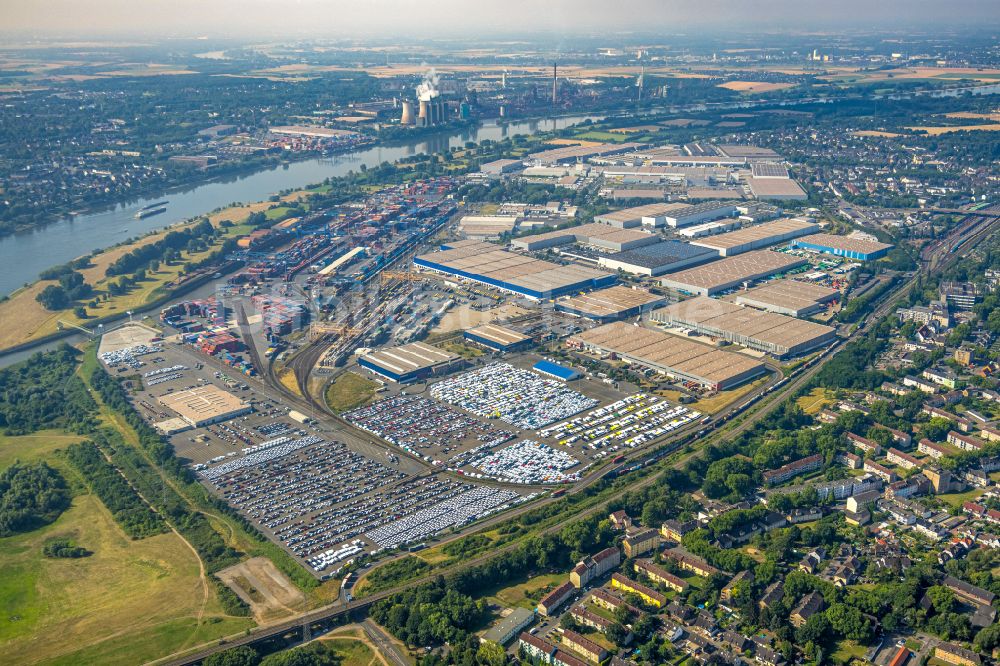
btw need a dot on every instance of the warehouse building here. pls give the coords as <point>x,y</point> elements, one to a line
<point>610,304</point>
<point>596,234</point>
<point>844,246</point>
<point>769,332</point>
<point>703,212</point>
<point>410,362</point>
<point>718,276</point>
<point>569,154</point>
<point>789,297</point>
<point>497,338</point>
<point>205,405</point>
<point>709,228</point>
<point>684,360</point>
<point>487,226</point>
<point>498,168</point>
<point>650,215</point>
<point>657,259</point>
<point>514,273</point>
<point>776,189</point>
<point>758,236</point>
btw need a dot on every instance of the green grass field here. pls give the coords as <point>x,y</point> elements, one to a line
<point>517,594</point>
<point>597,135</point>
<point>128,602</point>
<point>350,390</point>
<point>352,648</point>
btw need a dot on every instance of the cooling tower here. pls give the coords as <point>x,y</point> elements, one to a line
<point>424,116</point>
<point>407,117</point>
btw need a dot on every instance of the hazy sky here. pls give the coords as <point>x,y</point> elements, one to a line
<point>430,18</point>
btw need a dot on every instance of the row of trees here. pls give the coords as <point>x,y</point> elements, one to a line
<point>166,249</point>
<point>133,515</point>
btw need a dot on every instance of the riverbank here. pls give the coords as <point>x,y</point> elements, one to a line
<point>28,324</point>
<point>26,256</point>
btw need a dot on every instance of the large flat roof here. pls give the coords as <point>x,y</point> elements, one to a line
<point>768,170</point>
<point>767,327</point>
<point>845,243</point>
<point>409,358</point>
<point>587,233</point>
<point>731,271</point>
<point>610,301</point>
<point>203,404</point>
<point>489,261</point>
<point>759,234</point>
<point>736,150</point>
<point>498,334</point>
<point>790,294</point>
<point>661,254</point>
<point>775,187</point>
<point>639,212</point>
<point>662,350</point>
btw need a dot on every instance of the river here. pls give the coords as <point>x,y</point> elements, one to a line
<point>25,255</point>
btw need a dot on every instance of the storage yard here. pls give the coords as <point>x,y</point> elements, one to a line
<point>328,505</point>
<point>789,297</point>
<point>684,360</point>
<point>513,273</point>
<point>718,276</point>
<point>428,429</point>
<point>757,236</point>
<point>610,304</point>
<point>776,334</point>
<point>513,395</point>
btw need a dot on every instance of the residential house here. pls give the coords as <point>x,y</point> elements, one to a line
<point>640,542</point>
<point>595,567</point>
<point>658,574</point>
<point>808,606</point>
<point>965,442</point>
<point>556,598</point>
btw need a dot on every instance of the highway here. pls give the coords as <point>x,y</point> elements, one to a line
<point>943,253</point>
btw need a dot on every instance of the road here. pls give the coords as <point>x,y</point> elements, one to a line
<point>940,258</point>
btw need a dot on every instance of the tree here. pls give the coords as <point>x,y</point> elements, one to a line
<point>849,622</point>
<point>491,653</point>
<point>813,630</point>
<point>80,312</point>
<point>936,429</point>
<point>53,297</point>
<point>941,598</point>
<point>314,654</point>
<point>237,656</point>
<point>617,634</point>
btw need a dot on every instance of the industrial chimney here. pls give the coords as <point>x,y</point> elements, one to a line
<point>555,69</point>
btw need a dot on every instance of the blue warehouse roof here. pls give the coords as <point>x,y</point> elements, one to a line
<point>556,370</point>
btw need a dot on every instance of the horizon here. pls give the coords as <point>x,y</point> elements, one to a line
<point>333,19</point>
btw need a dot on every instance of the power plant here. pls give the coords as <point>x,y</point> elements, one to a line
<point>431,107</point>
